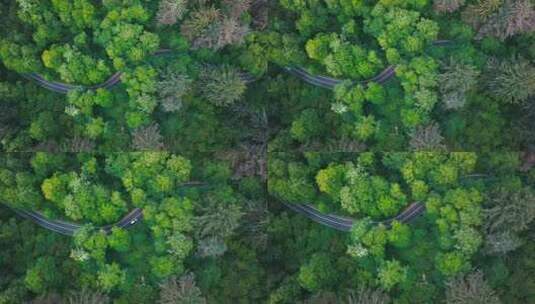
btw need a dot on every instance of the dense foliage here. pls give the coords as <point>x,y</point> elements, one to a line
<point>174,134</point>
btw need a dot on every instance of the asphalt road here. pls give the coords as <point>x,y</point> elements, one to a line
<point>316,80</point>
<point>64,88</point>
<point>69,229</point>
<point>329,220</point>
<point>133,217</point>
<point>346,224</point>
<point>333,221</point>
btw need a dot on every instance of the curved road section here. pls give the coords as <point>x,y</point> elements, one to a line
<point>330,220</point>
<point>70,229</point>
<point>64,88</point>
<point>329,83</point>
<point>316,80</point>
<point>346,224</point>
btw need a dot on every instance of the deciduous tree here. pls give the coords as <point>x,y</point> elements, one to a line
<point>447,6</point>
<point>391,274</point>
<point>511,18</point>
<point>427,138</point>
<point>111,276</point>
<point>318,273</point>
<point>172,89</point>
<point>171,11</point>
<point>512,81</point>
<point>221,85</point>
<point>214,28</point>
<point>86,296</point>
<point>455,81</point>
<point>147,138</point>
<point>181,291</point>
<point>368,295</point>
<point>471,288</point>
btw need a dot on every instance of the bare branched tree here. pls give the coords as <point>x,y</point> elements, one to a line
<point>86,296</point>
<point>528,161</point>
<point>510,211</point>
<point>171,11</point>
<point>199,21</point>
<point>501,243</point>
<point>235,8</point>
<point>485,8</point>
<point>50,146</point>
<point>447,6</point>
<point>51,298</point>
<point>511,18</point>
<point>147,138</point>
<point>470,289</point>
<point>211,247</point>
<point>477,14</point>
<point>5,130</point>
<point>508,214</point>
<point>456,80</point>
<point>427,138</point>
<point>218,219</point>
<point>260,13</point>
<point>248,160</point>
<point>181,291</point>
<point>345,144</point>
<point>255,222</point>
<point>513,80</point>
<point>213,28</point>
<point>78,144</point>
<point>230,32</point>
<point>172,89</point>
<point>8,114</point>
<point>521,19</point>
<point>524,126</point>
<point>368,296</point>
<point>324,297</point>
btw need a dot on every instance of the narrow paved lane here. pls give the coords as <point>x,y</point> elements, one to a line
<point>315,80</point>
<point>346,224</point>
<point>329,220</point>
<point>133,217</point>
<point>69,229</point>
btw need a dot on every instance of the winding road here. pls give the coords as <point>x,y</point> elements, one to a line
<point>346,224</point>
<point>316,80</point>
<point>64,88</point>
<point>329,82</point>
<point>319,81</point>
<point>69,229</point>
<point>330,220</point>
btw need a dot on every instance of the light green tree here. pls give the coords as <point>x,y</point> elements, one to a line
<point>111,276</point>
<point>221,85</point>
<point>391,273</point>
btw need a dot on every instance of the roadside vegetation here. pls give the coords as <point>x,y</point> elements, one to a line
<point>211,117</point>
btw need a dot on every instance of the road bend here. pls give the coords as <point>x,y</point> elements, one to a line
<point>345,224</point>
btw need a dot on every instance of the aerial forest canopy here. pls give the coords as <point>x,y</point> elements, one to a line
<point>267,151</point>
